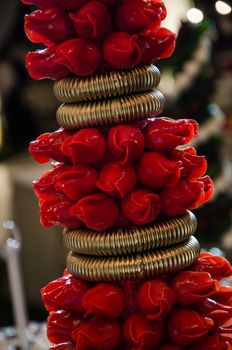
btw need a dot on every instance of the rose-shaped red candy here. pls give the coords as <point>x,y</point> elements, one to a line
<point>48,26</point>
<point>224,294</point>
<point>121,50</point>
<point>156,44</point>
<point>193,166</point>
<point>134,16</point>
<point>141,207</point>
<point>40,3</point>
<point>210,342</point>
<point>165,134</point>
<point>155,170</point>
<point>141,333</point>
<point>117,180</point>
<point>86,146</point>
<point>96,211</point>
<point>80,56</point>
<point>65,293</point>
<point>98,334</point>
<point>92,21</point>
<point>62,346</point>
<point>155,298</point>
<point>217,266</point>
<point>208,306</point>
<point>43,64</point>
<point>186,326</point>
<point>171,347</point>
<point>71,5</point>
<point>77,181</point>
<point>106,300</point>
<point>192,287</point>
<point>60,325</point>
<point>125,142</point>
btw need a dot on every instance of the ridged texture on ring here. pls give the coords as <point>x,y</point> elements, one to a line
<point>134,266</point>
<point>131,240</point>
<point>102,86</point>
<point>111,112</point>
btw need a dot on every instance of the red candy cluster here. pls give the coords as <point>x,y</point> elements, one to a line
<point>126,174</point>
<point>191,310</point>
<point>83,37</point>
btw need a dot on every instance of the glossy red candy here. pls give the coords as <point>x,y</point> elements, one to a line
<point>165,134</point>
<point>77,181</point>
<point>71,5</point>
<point>106,300</point>
<point>97,211</point>
<point>186,326</point>
<point>208,306</point>
<point>125,142</point>
<point>191,287</point>
<point>117,180</point>
<point>48,26</point>
<point>80,56</point>
<point>141,206</point>
<point>155,170</point>
<point>224,295</point>
<point>141,333</point>
<point>111,2</point>
<point>211,342</point>
<point>156,299</point>
<point>40,3</point>
<point>98,334</point>
<point>134,16</point>
<point>43,64</point>
<point>208,187</point>
<point>121,50</point>
<point>63,346</point>
<point>217,266</point>
<point>86,146</point>
<point>92,21</point>
<point>171,347</point>
<point>65,293</point>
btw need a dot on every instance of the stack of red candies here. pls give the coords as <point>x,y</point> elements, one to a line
<point>119,176</point>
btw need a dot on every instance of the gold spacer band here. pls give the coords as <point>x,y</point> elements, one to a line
<point>134,266</point>
<point>131,240</point>
<point>112,84</point>
<point>111,112</point>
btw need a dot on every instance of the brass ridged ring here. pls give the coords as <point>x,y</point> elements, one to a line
<point>110,112</point>
<point>145,265</point>
<point>131,240</point>
<point>102,86</point>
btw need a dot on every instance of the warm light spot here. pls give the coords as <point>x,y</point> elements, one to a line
<point>195,15</point>
<point>223,8</point>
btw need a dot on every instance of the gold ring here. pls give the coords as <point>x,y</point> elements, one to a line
<point>131,240</point>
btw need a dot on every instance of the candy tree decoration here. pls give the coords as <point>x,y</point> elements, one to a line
<point>122,183</point>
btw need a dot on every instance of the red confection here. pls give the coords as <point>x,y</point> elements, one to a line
<point>208,306</point>
<point>165,134</point>
<point>224,295</point>
<point>125,142</point>
<point>60,325</point>
<point>192,287</point>
<point>106,300</point>
<point>117,180</point>
<point>43,64</point>
<point>77,181</point>
<point>141,333</point>
<point>86,146</point>
<point>97,211</point>
<point>156,171</point>
<point>98,334</point>
<point>156,299</point>
<point>208,187</point>
<point>121,50</point>
<point>186,326</point>
<point>48,26</point>
<point>48,146</point>
<point>71,5</point>
<point>134,16</point>
<point>156,44</point>
<point>217,266</point>
<point>141,207</point>
<point>62,346</point>
<point>80,56</point>
<point>210,342</point>
<point>40,3</point>
<point>65,293</point>
<point>92,21</point>
<point>111,2</point>
<point>172,347</point>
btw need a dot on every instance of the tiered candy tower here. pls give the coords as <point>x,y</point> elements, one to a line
<point>122,187</point>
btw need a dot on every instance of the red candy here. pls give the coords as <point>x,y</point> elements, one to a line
<point>171,347</point>
<point>62,346</point>
<point>156,299</point>
<point>211,342</point>
<point>117,180</point>
<point>105,300</point>
<point>217,266</point>
<point>156,171</point>
<point>141,207</point>
<point>40,3</point>
<point>71,5</point>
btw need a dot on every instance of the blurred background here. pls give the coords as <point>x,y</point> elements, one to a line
<point>197,82</point>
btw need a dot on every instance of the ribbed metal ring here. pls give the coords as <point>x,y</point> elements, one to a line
<point>112,84</point>
<point>131,240</point>
<point>110,112</point>
<point>134,266</point>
